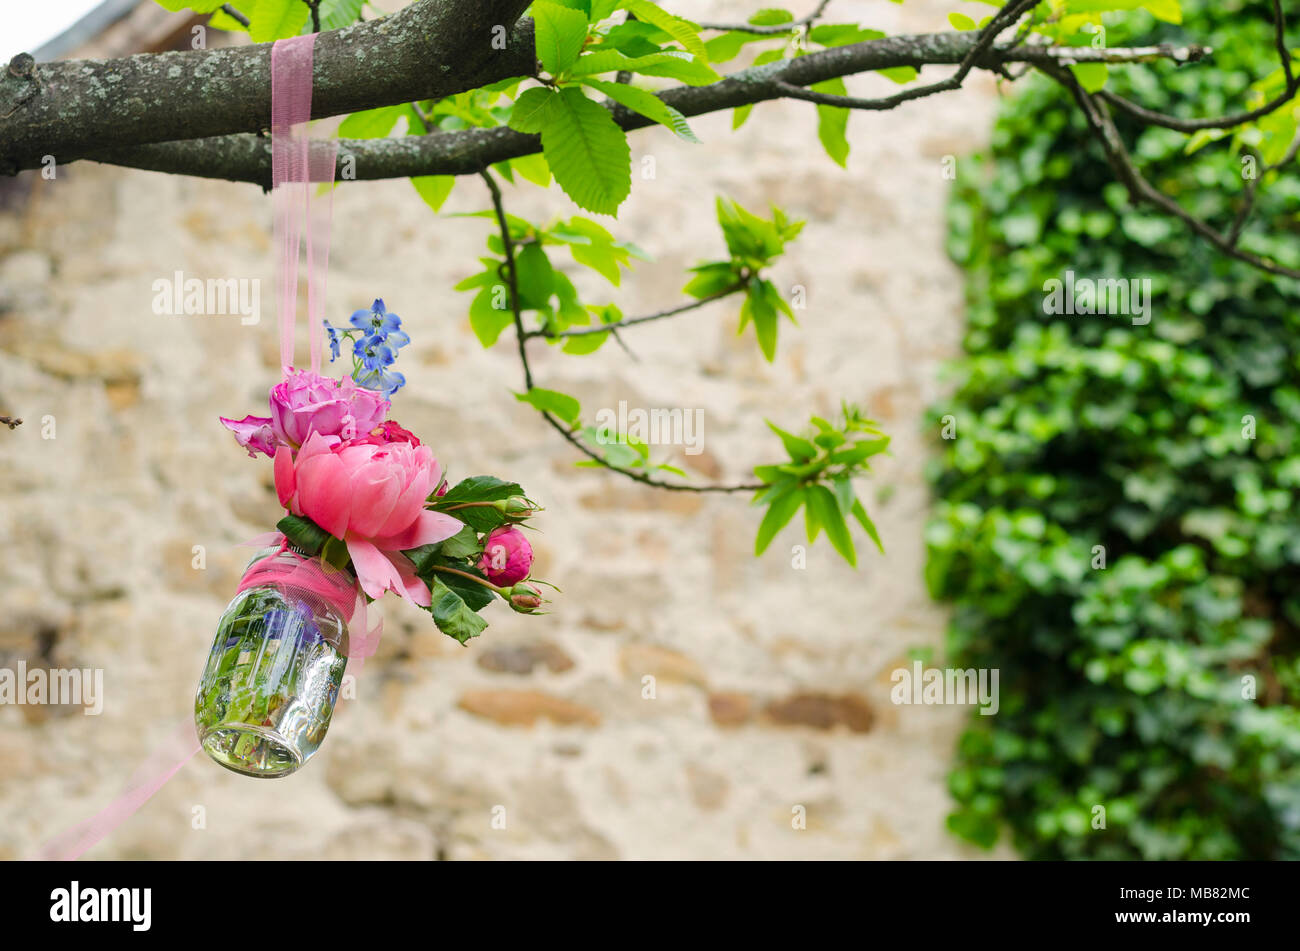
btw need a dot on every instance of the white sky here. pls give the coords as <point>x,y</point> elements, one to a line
<point>30,24</point>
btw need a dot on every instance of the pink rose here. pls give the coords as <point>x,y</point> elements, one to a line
<point>307,403</point>
<point>372,497</point>
<point>388,432</point>
<point>507,557</point>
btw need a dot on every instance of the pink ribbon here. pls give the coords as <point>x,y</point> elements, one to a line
<point>296,162</point>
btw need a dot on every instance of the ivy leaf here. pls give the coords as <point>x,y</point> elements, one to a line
<point>554,402</point>
<point>683,31</point>
<point>827,510</point>
<point>587,152</point>
<point>780,510</point>
<point>646,103</point>
<point>453,616</point>
<point>275,19</point>
<point>560,32</point>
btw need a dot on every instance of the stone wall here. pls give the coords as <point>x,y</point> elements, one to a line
<point>771,681</point>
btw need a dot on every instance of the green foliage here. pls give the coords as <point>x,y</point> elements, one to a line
<point>1168,449</point>
<point>753,244</point>
<point>819,479</point>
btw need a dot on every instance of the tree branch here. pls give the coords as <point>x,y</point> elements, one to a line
<point>247,158</point>
<point>72,109</point>
<point>1142,191</point>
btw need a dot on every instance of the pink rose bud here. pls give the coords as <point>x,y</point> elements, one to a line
<point>507,557</point>
<point>525,599</point>
<point>388,432</point>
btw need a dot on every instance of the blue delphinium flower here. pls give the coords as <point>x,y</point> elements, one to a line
<point>374,352</point>
<point>377,321</point>
<point>375,336</point>
<point>386,382</point>
<point>335,337</point>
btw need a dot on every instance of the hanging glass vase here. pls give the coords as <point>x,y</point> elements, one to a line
<point>268,691</point>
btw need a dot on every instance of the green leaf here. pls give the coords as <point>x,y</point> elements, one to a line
<point>646,103</point>
<point>453,616</point>
<point>485,320</point>
<point>868,526</point>
<point>683,31</point>
<point>531,109</point>
<point>535,276</point>
<point>833,123</point>
<point>1091,76</point>
<point>475,596</point>
<point>671,64</point>
<point>464,544</point>
<point>434,189</point>
<point>275,19</point>
<point>828,513</point>
<point>560,32</point>
<point>899,74</point>
<point>740,114</point>
<point>371,123</point>
<point>336,14</point>
<point>198,6</point>
<point>480,488</point>
<point>780,510</point>
<point>800,449</point>
<point>587,152</point>
<point>303,533</point>
<point>961,21</point>
<point>558,404</point>
<point>221,20</point>
<point>533,168</point>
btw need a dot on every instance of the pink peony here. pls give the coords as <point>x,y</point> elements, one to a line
<point>307,403</point>
<point>372,497</point>
<point>388,432</point>
<point>507,557</point>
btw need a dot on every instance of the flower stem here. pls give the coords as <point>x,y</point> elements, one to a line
<point>477,580</point>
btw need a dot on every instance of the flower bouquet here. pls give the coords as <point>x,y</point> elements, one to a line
<point>368,511</point>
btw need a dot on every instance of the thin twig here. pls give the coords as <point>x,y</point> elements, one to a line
<point>1139,189</point>
<point>230,11</point>
<point>769,29</point>
<point>1005,17</point>
<point>521,337</point>
<point>633,321</point>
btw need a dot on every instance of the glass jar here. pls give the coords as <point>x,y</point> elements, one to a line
<point>268,692</point>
